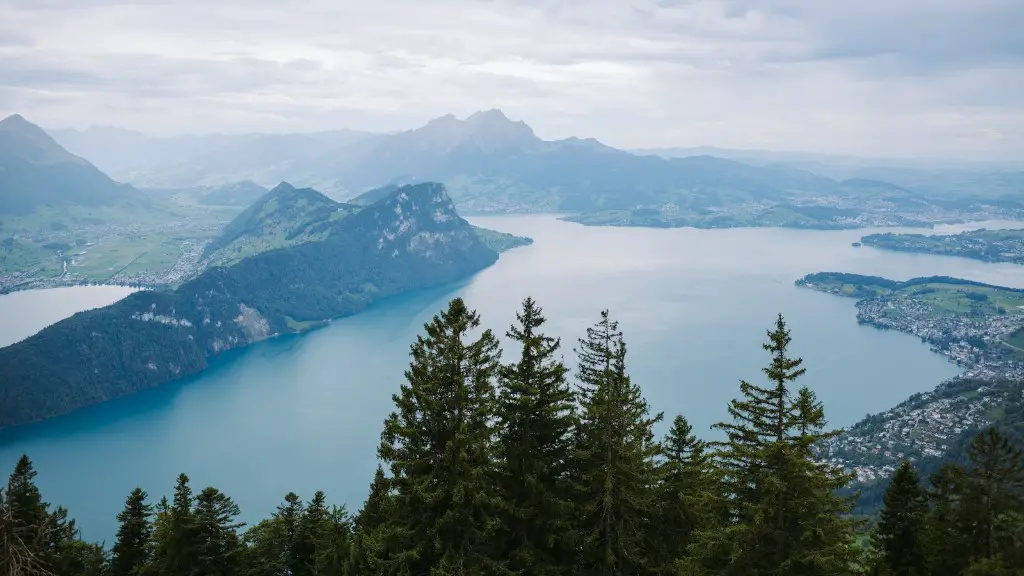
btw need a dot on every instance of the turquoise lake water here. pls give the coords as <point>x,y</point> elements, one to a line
<point>304,413</point>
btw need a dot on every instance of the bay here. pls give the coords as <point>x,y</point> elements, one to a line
<point>304,413</point>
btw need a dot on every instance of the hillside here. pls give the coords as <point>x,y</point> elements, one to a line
<point>37,172</point>
<point>412,239</point>
<point>283,217</point>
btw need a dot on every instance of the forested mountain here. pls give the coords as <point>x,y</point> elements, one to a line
<point>36,172</point>
<point>491,467</point>
<point>412,239</point>
<point>283,217</point>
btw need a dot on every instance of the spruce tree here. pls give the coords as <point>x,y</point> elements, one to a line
<point>132,547</point>
<point>373,528</point>
<point>177,549</point>
<point>298,557</point>
<point>946,536</point>
<point>994,493</point>
<point>898,538</point>
<point>685,500</point>
<point>438,446</point>
<point>785,516</point>
<point>217,551</point>
<point>535,420</point>
<point>615,478</point>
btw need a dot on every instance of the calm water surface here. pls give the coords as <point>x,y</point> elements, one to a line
<point>22,314</point>
<point>304,413</point>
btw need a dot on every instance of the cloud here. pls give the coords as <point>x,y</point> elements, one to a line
<point>874,77</point>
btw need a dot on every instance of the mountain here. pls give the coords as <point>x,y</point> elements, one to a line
<point>283,217</point>
<point>35,171</point>
<point>491,164</point>
<point>410,240</point>
<point>204,160</point>
<point>242,193</point>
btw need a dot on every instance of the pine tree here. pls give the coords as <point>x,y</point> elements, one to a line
<point>614,462</point>
<point>438,446</point>
<point>946,537</point>
<point>332,540</point>
<point>785,516</point>
<point>298,557</point>
<point>373,528</point>
<point>898,538</point>
<point>132,547</point>
<point>177,550</point>
<point>685,502</point>
<point>29,515</point>
<point>217,550</point>
<point>993,491</point>
<point>535,420</point>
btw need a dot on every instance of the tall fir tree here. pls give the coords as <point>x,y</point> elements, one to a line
<point>994,494</point>
<point>686,496</point>
<point>374,529</point>
<point>535,421</point>
<point>786,518</point>
<point>899,536</point>
<point>132,548</point>
<point>615,475</point>
<point>438,446</point>
<point>217,551</point>
<point>946,537</point>
<point>176,553</point>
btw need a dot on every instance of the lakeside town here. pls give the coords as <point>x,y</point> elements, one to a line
<point>928,424</point>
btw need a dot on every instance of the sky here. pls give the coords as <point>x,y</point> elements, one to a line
<point>910,78</point>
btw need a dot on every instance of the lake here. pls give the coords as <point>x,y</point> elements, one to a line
<point>304,413</point>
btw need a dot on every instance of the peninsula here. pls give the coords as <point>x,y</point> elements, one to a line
<point>984,245</point>
<point>411,239</point>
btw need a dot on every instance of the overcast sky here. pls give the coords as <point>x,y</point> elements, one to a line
<point>868,77</point>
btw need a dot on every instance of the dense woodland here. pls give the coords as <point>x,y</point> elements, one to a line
<point>492,467</point>
<point>411,240</point>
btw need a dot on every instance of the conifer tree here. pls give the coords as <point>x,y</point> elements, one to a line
<point>535,420</point>
<point>685,502</point>
<point>177,549</point>
<point>946,537</point>
<point>994,492</point>
<point>615,475</point>
<point>331,536</point>
<point>216,541</point>
<point>28,512</point>
<point>132,547</point>
<point>785,516</point>
<point>370,546</point>
<point>438,446</point>
<point>298,557</point>
<point>898,538</point>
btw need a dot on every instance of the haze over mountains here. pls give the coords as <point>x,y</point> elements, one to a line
<point>35,171</point>
<point>488,160</point>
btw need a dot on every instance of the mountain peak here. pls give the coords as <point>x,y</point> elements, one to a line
<point>486,129</point>
<point>25,140</point>
<point>282,188</point>
<point>492,115</point>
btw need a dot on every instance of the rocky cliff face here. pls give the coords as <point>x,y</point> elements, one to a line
<point>411,239</point>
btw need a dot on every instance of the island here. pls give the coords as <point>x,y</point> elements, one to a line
<point>984,245</point>
<point>978,326</point>
<point>350,256</point>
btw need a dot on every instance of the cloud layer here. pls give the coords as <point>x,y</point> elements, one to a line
<point>873,77</point>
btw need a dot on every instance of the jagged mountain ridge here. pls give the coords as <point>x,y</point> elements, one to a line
<point>412,239</point>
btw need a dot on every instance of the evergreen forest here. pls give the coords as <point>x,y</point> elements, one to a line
<point>490,467</point>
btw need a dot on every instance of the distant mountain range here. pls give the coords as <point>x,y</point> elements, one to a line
<point>491,164</point>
